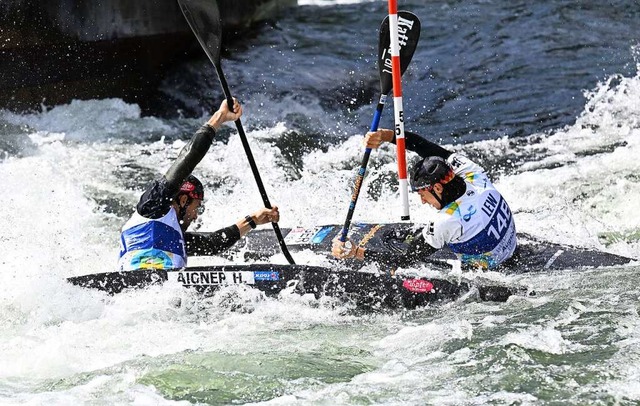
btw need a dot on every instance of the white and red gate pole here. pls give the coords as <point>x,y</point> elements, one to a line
<point>398,109</point>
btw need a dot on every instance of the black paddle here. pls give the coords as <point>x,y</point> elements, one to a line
<point>204,19</point>
<point>407,47</point>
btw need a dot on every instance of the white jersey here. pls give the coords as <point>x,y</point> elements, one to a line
<point>478,226</point>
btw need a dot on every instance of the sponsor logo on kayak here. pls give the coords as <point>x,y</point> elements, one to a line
<point>208,278</point>
<point>321,234</point>
<point>417,285</point>
<point>266,275</point>
<point>300,235</point>
<point>303,236</point>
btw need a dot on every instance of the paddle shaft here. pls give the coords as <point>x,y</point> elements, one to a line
<point>363,168</point>
<point>252,163</point>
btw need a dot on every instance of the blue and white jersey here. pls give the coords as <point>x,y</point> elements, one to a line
<point>152,243</point>
<point>478,226</point>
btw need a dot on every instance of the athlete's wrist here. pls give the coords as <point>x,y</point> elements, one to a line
<point>387,135</point>
<point>250,221</point>
<point>216,120</point>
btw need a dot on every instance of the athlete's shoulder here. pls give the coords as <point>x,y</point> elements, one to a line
<point>471,172</point>
<point>155,202</point>
<point>461,164</point>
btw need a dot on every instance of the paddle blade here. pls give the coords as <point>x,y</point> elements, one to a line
<point>204,19</point>
<point>409,34</point>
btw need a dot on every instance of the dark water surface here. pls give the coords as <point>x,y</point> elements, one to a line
<point>482,69</point>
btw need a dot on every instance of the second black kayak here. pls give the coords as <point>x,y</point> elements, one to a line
<point>531,255</point>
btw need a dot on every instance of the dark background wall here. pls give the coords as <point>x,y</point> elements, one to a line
<point>55,51</point>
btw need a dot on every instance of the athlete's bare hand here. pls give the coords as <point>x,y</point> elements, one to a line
<point>373,139</point>
<point>224,114</point>
<point>264,215</point>
<point>343,250</point>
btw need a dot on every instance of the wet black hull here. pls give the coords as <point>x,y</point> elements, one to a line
<point>365,289</point>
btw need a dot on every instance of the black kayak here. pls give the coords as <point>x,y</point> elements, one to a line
<point>343,278</point>
<point>363,288</point>
<point>531,255</point>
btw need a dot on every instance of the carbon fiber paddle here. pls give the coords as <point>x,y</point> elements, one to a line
<point>204,19</point>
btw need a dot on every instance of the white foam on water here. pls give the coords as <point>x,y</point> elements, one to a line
<point>625,366</point>
<point>590,194</point>
<point>544,339</point>
<point>424,338</point>
<point>91,120</point>
<point>120,389</point>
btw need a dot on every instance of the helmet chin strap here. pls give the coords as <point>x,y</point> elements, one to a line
<point>182,211</point>
<point>433,193</point>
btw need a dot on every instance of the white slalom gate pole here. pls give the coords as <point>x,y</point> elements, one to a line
<point>397,106</point>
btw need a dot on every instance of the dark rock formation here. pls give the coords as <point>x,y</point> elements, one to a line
<point>55,51</point>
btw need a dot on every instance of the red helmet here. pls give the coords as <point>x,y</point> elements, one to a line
<point>192,187</point>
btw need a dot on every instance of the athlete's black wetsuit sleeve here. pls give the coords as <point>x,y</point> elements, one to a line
<point>155,202</point>
<point>189,157</point>
<point>400,248</point>
<point>419,249</point>
<point>422,146</point>
<point>211,243</point>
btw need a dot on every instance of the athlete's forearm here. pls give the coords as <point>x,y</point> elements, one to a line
<point>211,243</point>
<point>423,147</point>
<point>189,157</point>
